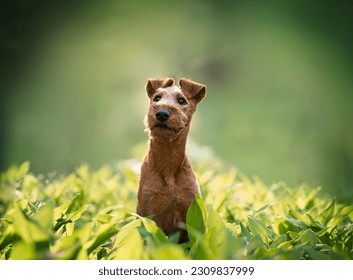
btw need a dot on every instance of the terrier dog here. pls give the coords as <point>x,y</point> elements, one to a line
<point>168,184</point>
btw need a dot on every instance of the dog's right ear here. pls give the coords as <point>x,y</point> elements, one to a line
<point>193,89</point>
<point>154,84</point>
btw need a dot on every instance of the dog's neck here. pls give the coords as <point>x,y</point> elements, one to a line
<point>167,156</point>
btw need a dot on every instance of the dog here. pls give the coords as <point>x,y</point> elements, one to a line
<point>168,184</point>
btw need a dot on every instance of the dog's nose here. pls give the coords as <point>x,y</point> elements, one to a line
<point>162,115</point>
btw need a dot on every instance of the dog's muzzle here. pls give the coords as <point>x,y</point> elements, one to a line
<point>162,115</point>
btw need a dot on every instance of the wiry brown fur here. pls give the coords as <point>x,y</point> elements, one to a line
<point>168,184</point>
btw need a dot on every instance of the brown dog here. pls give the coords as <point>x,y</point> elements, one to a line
<point>168,184</point>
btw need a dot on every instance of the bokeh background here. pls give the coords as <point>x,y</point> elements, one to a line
<point>279,77</point>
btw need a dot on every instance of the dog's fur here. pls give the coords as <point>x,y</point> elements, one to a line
<point>168,184</point>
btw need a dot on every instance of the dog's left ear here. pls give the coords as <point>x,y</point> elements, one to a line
<point>193,90</point>
<point>154,84</point>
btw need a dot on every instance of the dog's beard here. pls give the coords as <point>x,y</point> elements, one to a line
<point>164,133</point>
<point>163,130</point>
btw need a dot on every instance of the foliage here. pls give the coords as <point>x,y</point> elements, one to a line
<point>90,215</point>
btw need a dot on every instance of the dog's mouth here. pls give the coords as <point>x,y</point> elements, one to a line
<point>161,125</point>
<point>165,127</point>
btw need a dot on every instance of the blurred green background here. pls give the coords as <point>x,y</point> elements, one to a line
<point>279,77</point>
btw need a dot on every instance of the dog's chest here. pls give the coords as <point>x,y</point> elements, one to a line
<point>173,196</point>
<point>171,187</point>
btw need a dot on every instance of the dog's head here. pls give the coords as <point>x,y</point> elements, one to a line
<point>171,107</point>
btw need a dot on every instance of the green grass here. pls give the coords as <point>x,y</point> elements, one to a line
<point>90,215</point>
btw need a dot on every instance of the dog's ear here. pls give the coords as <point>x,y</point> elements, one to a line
<point>154,84</point>
<point>193,90</point>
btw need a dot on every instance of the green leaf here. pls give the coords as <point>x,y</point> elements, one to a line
<point>196,217</point>
<point>329,212</point>
<point>308,237</point>
<point>294,224</point>
<point>23,169</point>
<point>313,222</point>
<point>322,232</point>
<point>78,213</point>
<point>281,239</point>
<point>101,236</point>
<point>155,232</point>
<point>323,248</point>
<point>23,251</point>
<point>257,228</point>
<point>167,252</point>
<point>45,216</point>
<point>216,222</point>
<point>200,250</point>
<point>8,237</point>
<point>125,231</point>
<point>67,249</point>
<point>284,245</point>
<point>130,247</point>
<point>245,232</point>
<point>263,208</point>
<point>63,209</point>
<point>28,229</point>
<point>293,234</point>
<point>339,218</point>
<point>255,243</point>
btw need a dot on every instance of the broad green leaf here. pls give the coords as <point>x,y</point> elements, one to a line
<point>24,251</point>
<point>62,209</point>
<point>257,228</point>
<point>293,234</point>
<point>214,242</point>
<point>263,208</point>
<point>339,218</point>
<point>67,248</point>
<point>78,213</point>
<point>23,169</point>
<point>103,218</point>
<point>294,224</point>
<point>310,200</point>
<point>102,235</point>
<point>131,248</point>
<point>323,248</point>
<point>281,239</point>
<point>156,233</point>
<point>45,216</point>
<point>255,243</point>
<point>284,245</point>
<point>329,212</point>
<point>313,222</point>
<point>245,232</point>
<point>196,217</point>
<point>28,229</point>
<point>322,232</point>
<point>200,250</point>
<point>167,252</point>
<point>308,237</point>
<point>215,221</point>
<point>8,237</point>
<point>293,253</point>
<point>313,254</point>
<point>69,228</point>
<point>234,248</point>
<point>125,231</point>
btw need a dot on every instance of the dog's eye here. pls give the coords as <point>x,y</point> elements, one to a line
<point>181,101</point>
<point>156,98</point>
